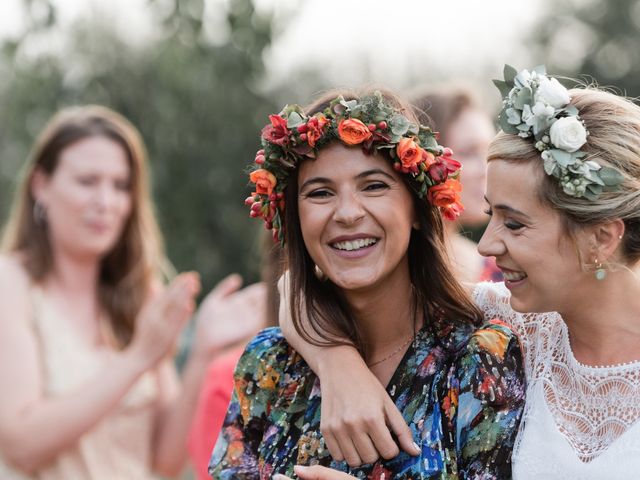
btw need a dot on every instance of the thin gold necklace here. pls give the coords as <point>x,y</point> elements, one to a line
<point>392,354</point>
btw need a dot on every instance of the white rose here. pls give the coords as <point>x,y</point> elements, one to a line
<point>551,92</point>
<point>568,134</point>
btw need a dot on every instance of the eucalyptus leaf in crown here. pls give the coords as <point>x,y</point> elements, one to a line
<point>537,107</point>
<point>369,123</point>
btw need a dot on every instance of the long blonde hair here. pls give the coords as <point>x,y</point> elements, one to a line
<point>137,260</point>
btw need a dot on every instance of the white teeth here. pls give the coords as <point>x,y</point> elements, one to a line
<point>354,244</point>
<point>514,276</point>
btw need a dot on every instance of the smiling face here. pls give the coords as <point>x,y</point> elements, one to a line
<point>539,260</point>
<point>356,216</point>
<point>87,197</point>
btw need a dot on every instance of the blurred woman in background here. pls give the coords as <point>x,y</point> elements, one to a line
<point>87,331</point>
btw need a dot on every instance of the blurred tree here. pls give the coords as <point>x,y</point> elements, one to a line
<point>196,101</point>
<point>595,38</point>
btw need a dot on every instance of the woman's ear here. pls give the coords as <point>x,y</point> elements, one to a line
<point>38,186</point>
<point>605,239</point>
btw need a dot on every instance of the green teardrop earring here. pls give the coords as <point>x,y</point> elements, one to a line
<point>601,273</point>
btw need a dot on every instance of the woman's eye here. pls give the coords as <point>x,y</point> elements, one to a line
<point>123,186</point>
<point>86,181</point>
<point>376,186</point>
<point>318,194</point>
<point>513,225</point>
<point>488,211</point>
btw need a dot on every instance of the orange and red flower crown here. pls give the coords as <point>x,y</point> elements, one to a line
<point>369,122</point>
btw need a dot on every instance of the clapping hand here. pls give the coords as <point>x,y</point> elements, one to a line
<point>229,315</point>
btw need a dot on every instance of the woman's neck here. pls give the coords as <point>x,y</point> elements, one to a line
<point>604,321</point>
<point>386,312</point>
<point>74,273</point>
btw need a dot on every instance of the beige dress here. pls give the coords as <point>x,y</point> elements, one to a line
<point>119,446</point>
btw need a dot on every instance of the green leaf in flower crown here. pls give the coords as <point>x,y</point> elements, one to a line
<point>540,70</point>
<point>505,125</point>
<point>509,73</point>
<point>429,142</point>
<point>523,97</point>
<point>590,195</point>
<point>399,124</point>
<point>294,120</point>
<point>610,176</point>
<point>503,86</point>
<point>563,158</point>
<point>350,104</point>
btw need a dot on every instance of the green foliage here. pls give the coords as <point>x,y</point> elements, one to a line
<point>591,40</point>
<point>195,102</point>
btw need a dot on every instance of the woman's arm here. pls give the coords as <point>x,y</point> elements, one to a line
<point>357,414</point>
<point>226,316</point>
<point>490,402</point>
<point>34,429</point>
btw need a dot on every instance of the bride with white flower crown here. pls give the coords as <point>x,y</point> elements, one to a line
<point>563,193</point>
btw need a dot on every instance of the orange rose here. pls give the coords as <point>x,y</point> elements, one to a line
<point>445,194</point>
<point>353,132</point>
<point>265,181</point>
<point>409,152</point>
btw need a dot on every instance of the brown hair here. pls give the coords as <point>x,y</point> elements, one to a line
<point>137,260</point>
<point>436,288</point>
<point>440,108</point>
<point>613,123</point>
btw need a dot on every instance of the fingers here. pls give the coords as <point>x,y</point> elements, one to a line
<point>382,440</point>
<point>332,445</point>
<point>227,286</point>
<point>319,473</point>
<point>349,450</point>
<point>400,428</point>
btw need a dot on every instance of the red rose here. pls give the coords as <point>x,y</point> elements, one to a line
<point>452,211</point>
<point>277,132</point>
<point>452,164</point>
<point>353,132</point>
<point>315,129</point>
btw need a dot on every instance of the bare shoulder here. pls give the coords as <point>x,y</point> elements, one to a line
<point>14,278</point>
<point>14,287</point>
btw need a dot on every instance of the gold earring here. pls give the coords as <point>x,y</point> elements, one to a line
<point>601,273</point>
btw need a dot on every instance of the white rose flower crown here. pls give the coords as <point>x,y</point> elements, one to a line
<point>538,107</point>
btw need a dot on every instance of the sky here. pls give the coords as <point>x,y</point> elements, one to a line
<point>353,41</point>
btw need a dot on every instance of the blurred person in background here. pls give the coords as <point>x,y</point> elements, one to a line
<point>87,331</point>
<point>217,386</point>
<point>465,127</point>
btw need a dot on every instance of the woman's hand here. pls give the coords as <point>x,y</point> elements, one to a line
<point>315,473</point>
<point>357,415</point>
<point>229,315</point>
<point>162,319</point>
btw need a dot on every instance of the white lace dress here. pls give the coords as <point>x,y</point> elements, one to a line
<point>580,422</point>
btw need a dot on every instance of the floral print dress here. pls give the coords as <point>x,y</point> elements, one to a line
<point>462,398</point>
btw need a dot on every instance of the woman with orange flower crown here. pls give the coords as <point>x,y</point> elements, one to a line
<point>563,192</point>
<point>356,190</point>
